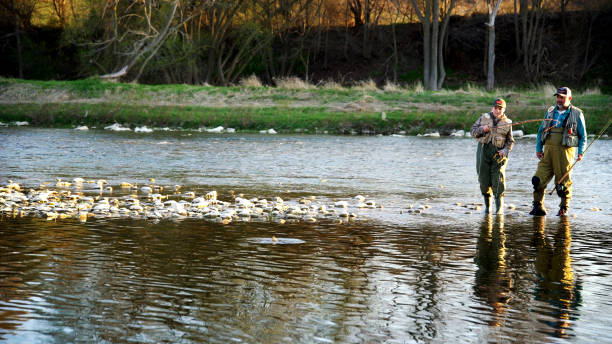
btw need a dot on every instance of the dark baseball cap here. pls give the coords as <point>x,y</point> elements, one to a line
<point>499,102</point>
<point>564,92</point>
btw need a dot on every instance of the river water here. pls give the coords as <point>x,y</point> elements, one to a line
<point>445,274</point>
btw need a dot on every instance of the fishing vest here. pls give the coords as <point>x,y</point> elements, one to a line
<point>497,134</point>
<point>570,126</point>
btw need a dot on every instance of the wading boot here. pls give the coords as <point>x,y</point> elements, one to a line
<point>499,205</point>
<point>487,203</point>
<point>562,211</point>
<point>537,210</point>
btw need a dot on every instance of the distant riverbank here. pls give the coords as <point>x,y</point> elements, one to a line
<point>294,107</point>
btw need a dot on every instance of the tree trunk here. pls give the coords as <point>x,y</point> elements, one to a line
<point>433,65</point>
<point>366,30</point>
<point>346,30</point>
<point>442,44</point>
<point>491,45</point>
<point>426,54</point>
<point>491,59</point>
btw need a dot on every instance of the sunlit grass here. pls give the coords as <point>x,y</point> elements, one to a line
<point>291,105</point>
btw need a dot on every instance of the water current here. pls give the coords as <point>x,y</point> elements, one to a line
<point>446,274</point>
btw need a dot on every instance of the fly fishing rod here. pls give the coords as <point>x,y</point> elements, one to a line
<point>583,153</point>
<point>527,121</point>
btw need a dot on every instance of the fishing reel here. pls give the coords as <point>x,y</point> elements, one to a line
<point>499,159</point>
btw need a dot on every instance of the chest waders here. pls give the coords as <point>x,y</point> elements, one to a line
<point>490,167</point>
<point>491,174</point>
<point>556,163</point>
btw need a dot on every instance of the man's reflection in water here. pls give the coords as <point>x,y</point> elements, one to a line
<point>493,280</point>
<point>556,282</point>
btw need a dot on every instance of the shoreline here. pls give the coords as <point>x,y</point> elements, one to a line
<point>402,111</point>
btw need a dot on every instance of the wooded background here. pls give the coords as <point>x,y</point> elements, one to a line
<point>442,43</point>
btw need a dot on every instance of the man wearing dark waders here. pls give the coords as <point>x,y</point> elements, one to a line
<point>493,131</point>
<point>562,130</point>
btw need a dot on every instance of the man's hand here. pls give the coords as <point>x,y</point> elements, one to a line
<point>500,153</point>
<point>579,157</point>
<point>540,155</point>
<point>486,128</point>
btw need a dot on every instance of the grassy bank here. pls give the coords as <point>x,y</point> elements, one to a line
<point>294,106</point>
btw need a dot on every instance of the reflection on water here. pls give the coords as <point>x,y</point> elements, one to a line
<point>446,275</point>
<point>128,280</point>
<point>493,280</point>
<point>557,283</point>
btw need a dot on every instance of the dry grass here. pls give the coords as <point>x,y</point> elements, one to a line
<point>293,83</point>
<point>474,90</point>
<point>418,87</point>
<point>366,85</point>
<point>390,86</point>
<point>331,85</point>
<point>251,81</point>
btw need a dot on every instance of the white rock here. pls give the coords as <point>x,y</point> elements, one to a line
<point>243,203</point>
<point>517,133</point>
<point>143,129</point>
<point>529,136</point>
<point>458,133</point>
<point>22,123</point>
<point>341,204</point>
<point>117,127</point>
<point>211,195</point>
<point>230,130</point>
<point>101,207</point>
<point>81,127</point>
<point>218,129</point>
<point>434,134</point>
<point>271,131</point>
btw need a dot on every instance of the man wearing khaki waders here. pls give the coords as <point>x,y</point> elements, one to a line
<point>562,130</point>
<point>493,131</point>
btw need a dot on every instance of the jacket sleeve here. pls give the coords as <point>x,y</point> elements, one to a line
<point>476,130</point>
<point>509,143</point>
<point>539,145</point>
<point>582,134</point>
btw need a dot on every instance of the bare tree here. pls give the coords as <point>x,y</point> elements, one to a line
<point>529,22</point>
<point>434,16</point>
<point>366,14</point>
<point>20,13</point>
<point>492,7</point>
<point>60,7</point>
<point>132,35</point>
